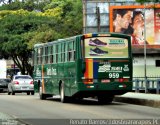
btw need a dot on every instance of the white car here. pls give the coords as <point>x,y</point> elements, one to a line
<point>21,83</point>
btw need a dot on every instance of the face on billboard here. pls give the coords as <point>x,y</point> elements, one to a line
<point>122,21</point>
<point>143,24</point>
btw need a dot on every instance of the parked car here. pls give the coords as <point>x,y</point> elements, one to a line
<point>21,83</point>
<point>4,84</point>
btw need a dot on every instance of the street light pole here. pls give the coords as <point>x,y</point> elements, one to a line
<point>145,74</point>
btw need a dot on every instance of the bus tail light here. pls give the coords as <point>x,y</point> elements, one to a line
<point>121,80</point>
<point>88,81</point>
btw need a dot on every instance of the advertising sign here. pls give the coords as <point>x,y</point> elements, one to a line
<point>140,21</point>
<point>102,47</point>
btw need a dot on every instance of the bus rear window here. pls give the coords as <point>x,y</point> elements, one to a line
<point>106,47</point>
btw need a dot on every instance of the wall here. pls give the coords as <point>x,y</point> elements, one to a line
<point>90,24</point>
<point>151,69</point>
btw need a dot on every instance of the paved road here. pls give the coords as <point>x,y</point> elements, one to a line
<point>31,109</point>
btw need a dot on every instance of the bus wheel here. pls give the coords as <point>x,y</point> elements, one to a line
<point>104,99</point>
<point>41,95</point>
<point>62,94</point>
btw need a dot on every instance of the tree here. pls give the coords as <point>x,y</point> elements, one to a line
<point>19,29</point>
<point>70,17</point>
<point>22,26</point>
<point>29,5</point>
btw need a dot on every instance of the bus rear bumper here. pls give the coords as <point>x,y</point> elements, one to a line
<point>93,93</point>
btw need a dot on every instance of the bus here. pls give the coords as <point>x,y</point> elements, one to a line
<point>95,65</point>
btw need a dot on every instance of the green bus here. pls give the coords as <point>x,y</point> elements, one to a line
<point>90,65</point>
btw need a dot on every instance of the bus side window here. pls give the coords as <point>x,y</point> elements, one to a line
<point>74,50</point>
<point>56,59</point>
<point>70,50</point>
<point>69,55</point>
<point>63,52</point>
<point>46,55</point>
<point>59,53</point>
<point>35,56</point>
<point>51,54</point>
<point>66,52</point>
<point>39,57</point>
<point>54,54</point>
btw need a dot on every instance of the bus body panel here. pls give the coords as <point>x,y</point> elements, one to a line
<point>85,76</point>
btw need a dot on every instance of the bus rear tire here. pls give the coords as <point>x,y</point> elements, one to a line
<point>62,94</point>
<point>105,99</point>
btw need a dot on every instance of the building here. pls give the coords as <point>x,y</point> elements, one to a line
<point>98,16</point>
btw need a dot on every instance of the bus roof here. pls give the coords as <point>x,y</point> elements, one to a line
<point>53,42</point>
<point>85,35</point>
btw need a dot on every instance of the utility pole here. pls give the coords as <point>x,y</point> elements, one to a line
<point>145,74</point>
<point>98,18</point>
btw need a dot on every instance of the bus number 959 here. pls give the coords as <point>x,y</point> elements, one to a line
<point>113,75</point>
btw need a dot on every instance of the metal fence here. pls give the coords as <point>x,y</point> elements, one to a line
<point>148,85</point>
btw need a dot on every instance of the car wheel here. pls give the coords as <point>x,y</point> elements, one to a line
<point>28,93</point>
<point>62,93</point>
<point>32,93</point>
<point>13,93</point>
<point>9,93</point>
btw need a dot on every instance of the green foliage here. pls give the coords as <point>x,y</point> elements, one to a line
<point>29,5</point>
<point>23,24</point>
<point>73,19</point>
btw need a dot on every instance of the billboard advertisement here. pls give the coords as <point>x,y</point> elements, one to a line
<point>106,47</point>
<point>142,22</point>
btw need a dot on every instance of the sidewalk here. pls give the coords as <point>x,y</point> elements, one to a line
<point>152,100</point>
<point>6,119</point>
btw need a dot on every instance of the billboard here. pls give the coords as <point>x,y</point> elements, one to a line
<point>106,47</point>
<point>142,22</point>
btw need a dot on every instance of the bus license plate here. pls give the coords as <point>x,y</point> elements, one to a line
<point>105,80</point>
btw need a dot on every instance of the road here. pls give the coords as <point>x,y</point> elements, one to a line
<point>33,110</point>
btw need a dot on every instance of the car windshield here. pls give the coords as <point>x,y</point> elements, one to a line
<point>23,77</point>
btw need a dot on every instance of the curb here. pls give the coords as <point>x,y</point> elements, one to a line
<point>144,102</point>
